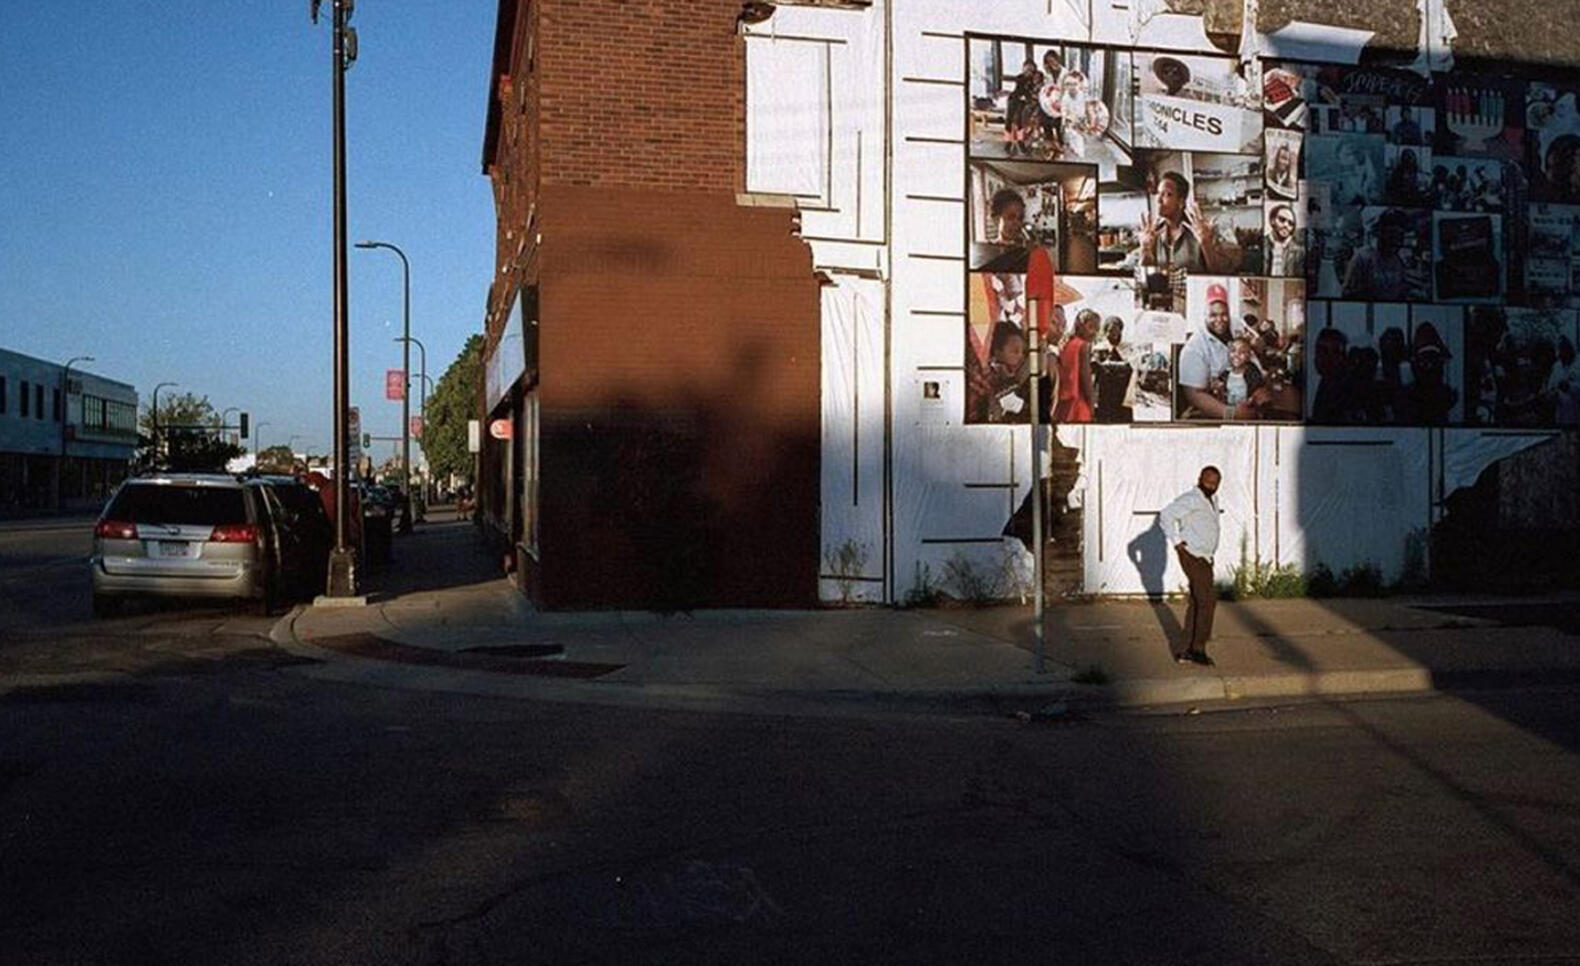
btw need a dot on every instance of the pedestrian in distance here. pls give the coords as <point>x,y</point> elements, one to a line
<point>1190,523</point>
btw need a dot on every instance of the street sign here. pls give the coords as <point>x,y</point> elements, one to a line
<point>499,429</point>
<point>354,436</point>
<point>395,384</point>
<point>474,436</point>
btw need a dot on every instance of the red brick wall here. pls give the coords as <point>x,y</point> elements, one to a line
<point>642,93</point>
<point>679,344</point>
<point>680,351</point>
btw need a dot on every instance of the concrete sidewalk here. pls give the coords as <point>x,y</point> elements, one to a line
<point>440,619</point>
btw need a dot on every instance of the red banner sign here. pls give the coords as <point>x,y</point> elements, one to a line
<point>395,384</point>
<point>415,426</point>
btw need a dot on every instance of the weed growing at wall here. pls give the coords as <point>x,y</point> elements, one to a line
<point>844,563</point>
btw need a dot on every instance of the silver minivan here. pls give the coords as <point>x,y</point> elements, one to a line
<point>184,535</point>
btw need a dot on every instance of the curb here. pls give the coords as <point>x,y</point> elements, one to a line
<point>1006,698</point>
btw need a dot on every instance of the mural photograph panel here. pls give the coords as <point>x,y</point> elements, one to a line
<point>1393,262</point>
<point>1480,116</point>
<point>1187,103</point>
<point>1552,256</point>
<point>1024,214</point>
<point>1113,365</point>
<point>1433,220</point>
<point>996,364</point>
<point>1377,363</point>
<point>1351,383</point>
<point>1411,176</point>
<point>1431,383</point>
<point>1197,213</point>
<point>1048,102</point>
<point>1284,254</point>
<point>1235,361</point>
<point>1351,165</point>
<point>1520,367</point>
<point>1468,257</point>
<point>1469,184</point>
<point>1282,154</point>
<point>1552,134</point>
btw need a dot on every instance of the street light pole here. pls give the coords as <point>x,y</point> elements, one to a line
<point>224,413</point>
<point>65,420</point>
<point>422,404</point>
<point>154,414</point>
<point>405,373</point>
<point>342,578</point>
<point>257,444</point>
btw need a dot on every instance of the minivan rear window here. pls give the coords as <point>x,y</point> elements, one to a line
<point>181,505</point>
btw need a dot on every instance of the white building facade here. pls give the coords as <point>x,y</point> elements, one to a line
<point>898,128</point>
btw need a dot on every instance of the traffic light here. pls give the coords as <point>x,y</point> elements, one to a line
<point>367,440</point>
<point>244,422</point>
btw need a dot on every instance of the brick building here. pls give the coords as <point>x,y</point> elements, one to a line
<point>652,342</point>
<point>768,271</point>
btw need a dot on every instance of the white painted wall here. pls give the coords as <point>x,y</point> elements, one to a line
<point>861,115</point>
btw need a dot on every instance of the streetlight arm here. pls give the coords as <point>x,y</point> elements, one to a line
<point>406,340</point>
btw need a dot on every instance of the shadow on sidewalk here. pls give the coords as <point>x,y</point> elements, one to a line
<point>434,556</point>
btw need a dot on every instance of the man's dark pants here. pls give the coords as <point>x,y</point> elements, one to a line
<point>1203,600</point>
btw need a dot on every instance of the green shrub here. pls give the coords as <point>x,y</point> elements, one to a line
<point>971,582</point>
<point>1363,580</point>
<point>845,563</point>
<point>924,591</point>
<point>1256,578</point>
<point>1320,582</point>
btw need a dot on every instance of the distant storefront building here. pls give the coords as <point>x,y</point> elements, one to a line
<point>75,431</point>
<point>1336,253</point>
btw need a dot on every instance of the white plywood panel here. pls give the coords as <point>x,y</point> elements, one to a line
<point>788,118</point>
<point>929,167</point>
<point>852,440</point>
<point>1348,497</point>
<point>930,226</point>
<point>930,106</point>
<point>1132,473</point>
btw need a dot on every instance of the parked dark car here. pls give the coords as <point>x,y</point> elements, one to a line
<point>306,534</point>
<point>378,518</point>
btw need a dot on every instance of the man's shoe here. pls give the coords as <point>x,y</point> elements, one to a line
<point>1182,658</point>
<point>1200,657</point>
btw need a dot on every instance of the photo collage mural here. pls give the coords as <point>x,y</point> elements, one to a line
<point>1337,245</point>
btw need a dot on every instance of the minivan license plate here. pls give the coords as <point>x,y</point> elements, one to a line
<point>179,548</point>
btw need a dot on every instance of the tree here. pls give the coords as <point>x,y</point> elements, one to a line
<point>452,404</point>
<point>185,437</point>
<point>277,459</point>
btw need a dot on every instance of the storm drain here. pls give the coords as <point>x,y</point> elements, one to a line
<point>500,659</point>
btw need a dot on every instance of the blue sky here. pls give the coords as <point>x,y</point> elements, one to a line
<point>165,196</point>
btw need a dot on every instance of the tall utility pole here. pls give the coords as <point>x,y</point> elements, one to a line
<point>405,375</point>
<point>342,580</point>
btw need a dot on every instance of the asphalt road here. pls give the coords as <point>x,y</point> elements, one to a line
<point>204,803</point>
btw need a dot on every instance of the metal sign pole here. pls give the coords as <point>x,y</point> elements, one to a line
<point>1034,346</point>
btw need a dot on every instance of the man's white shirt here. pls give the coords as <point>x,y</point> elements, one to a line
<point>1192,518</point>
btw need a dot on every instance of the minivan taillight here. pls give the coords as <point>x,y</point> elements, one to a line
<point>234,533</point>
<point>115,530</point>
